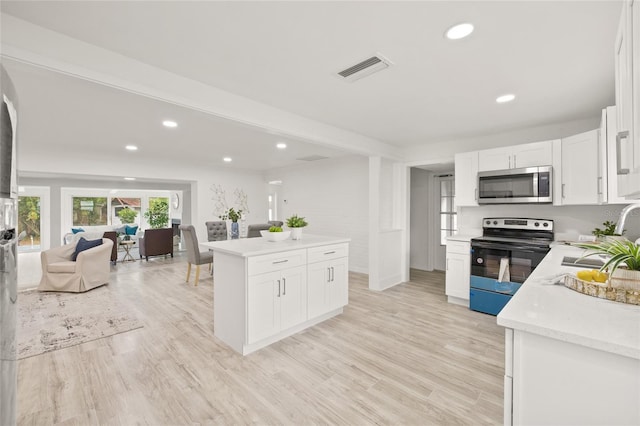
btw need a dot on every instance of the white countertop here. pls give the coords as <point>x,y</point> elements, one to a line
<point>558,312</point>
<point>465,238</point>
<point>246,247</point>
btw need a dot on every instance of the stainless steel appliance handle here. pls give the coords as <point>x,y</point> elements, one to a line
<point>509,247</point>
<point>621,135</point>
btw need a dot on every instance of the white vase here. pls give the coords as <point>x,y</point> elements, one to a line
<point>296,233</point>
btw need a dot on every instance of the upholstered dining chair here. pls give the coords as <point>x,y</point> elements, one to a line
<point>194,255</point>
<point>216,230</point>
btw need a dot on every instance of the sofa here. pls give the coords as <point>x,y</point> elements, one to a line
<point>156,242</point>
<point>97,231</point>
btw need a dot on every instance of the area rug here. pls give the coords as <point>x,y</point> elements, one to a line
<point>50,321</point>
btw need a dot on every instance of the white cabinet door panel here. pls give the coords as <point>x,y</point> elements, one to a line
<point>532,155</point>
<point>263,306</point>
<point>458,275</point>
<point>293,297</point>
<point>580,164</point>
<point>466,181</point>
<point>495,159</point>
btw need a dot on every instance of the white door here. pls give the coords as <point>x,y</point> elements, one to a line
<point>293,300</point>
<point>263,310</point>
<point>580,168</point>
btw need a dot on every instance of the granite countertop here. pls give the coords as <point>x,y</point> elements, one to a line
<point>246,247</point>
<point>558,312</point>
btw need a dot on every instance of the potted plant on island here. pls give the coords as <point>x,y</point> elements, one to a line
<point>233,215</point>
<point>296,224</point>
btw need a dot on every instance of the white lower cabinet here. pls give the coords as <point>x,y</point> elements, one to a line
<point>276,301</point>
<point>264,292</point>
<point>458,272</point>
<point>327,286</point>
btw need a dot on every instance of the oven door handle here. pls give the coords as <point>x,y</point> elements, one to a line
<point>509,247</point>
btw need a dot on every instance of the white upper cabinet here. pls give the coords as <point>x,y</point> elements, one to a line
<point>581,183</point>
<point>627,60</point>
<point>466,182</point>
<point>516,156</point>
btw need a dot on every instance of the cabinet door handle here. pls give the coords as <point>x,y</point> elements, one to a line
<point>330,252</point>
<point>281,261</point>
<point>284,286</point>
<point>563,190</point>
<point>514,161</point>
<point>333,274</point>
<point>599,185</point>
<point>328,275</point>
<point>476,194</point>
<point>619,137</point>
<point>509,161</point>
<point>278,288</point>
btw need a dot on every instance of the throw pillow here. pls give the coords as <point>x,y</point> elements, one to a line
<point>76,230</point>
<point>84,245</point>
<point>131,230</point>
<point>121,230</point>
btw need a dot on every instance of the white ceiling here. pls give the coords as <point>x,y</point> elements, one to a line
<point>556,56</point>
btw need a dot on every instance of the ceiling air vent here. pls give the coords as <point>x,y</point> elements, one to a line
<point>367,67</point>
<point>312,158</point>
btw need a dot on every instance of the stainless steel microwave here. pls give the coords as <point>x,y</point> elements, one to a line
<point>529,185</point>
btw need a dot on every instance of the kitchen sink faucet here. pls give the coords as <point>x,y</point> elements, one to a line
<point>623,217</point>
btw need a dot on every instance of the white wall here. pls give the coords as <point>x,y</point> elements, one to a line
<point>570,221</point>
<point>332,195</point>
<point>419,224</point>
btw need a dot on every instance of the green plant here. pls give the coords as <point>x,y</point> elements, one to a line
<point>127,215</point>
<point>296,222</point>
<point>158,214</point>
<point>609,229</point>
<point>275,229</point>
<point>620,251</point>
<point>232,215</point>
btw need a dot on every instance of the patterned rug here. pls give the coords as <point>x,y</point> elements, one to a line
<point>51,321</point>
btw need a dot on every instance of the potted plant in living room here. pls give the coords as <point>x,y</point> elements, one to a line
<point>233,215</point>
<point>158,214</point>
<point>296,223</point>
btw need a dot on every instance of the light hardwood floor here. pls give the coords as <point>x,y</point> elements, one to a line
<point>403,356</point>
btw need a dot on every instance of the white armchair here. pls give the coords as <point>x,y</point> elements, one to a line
<point>91,268</point>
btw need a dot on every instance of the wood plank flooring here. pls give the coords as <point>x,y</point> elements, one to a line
<point>403,356</point>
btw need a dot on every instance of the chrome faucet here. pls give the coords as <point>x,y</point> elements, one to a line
<point>623,217</point>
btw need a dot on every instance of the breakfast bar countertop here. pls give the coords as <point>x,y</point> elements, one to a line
<point>555,311</point>
<point>246,247</point>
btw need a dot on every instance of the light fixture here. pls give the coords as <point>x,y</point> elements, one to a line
<point>459,31</point>
<point>169,123</point>
<point>129,178</point>
<point>227,159</point>
<point>131,147</point>
<point>505,98</point>
<point>281,145</point>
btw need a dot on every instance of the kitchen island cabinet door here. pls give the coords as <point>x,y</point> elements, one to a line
<point>263,300</point>
<point>293,297</point>
<point>328,287</point>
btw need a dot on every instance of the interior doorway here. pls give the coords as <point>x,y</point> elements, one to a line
<point>432,215</point>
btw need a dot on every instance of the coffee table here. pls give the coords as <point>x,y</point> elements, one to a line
<point>127,244</point>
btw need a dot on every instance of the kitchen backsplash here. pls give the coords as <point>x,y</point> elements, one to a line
<point>569,221</point>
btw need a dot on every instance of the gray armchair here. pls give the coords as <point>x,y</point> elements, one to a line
<point>216,230</point>
<point>194,255</point>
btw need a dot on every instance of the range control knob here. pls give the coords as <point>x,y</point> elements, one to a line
<point>488,222</point>
<point>537,224</point>
<point>495,222</point>
<point>545,224</point>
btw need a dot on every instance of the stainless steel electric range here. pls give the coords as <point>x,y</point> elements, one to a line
<point>504,257</point>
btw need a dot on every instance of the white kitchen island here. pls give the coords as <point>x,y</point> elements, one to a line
<point>570,359</point>
<point>265,291</point>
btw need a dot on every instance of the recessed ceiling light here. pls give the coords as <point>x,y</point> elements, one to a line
<point>131,147</point>
<point>227,159</point>
<point>459,31</point>
<point>505,98</point>
<point>129,178</point>
<point>281,145</point>
<point>169,123</point>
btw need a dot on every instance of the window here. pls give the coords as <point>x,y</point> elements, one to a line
<point>448,216</point>
<point>125,210</point>
<point>29,222</point>
<point>89,211</point>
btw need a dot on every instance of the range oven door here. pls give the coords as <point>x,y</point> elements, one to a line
<point>523,259</point>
